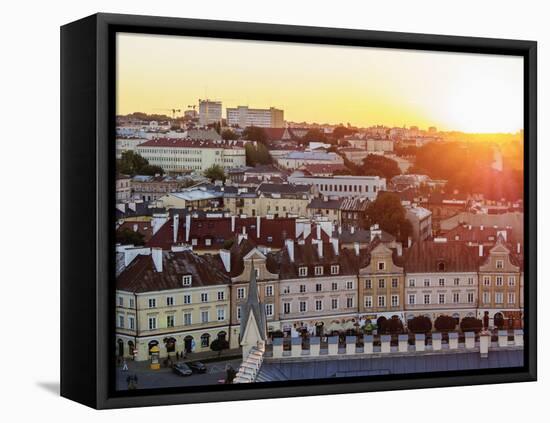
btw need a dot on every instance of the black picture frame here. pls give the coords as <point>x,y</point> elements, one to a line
<point>87,206</point>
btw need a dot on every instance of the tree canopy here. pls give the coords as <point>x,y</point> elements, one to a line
<point>420,324</point>
<point>228,134</point>
<point>377,165</point>
<point>255,133</point>
<point>341,132</point>
<point>215,173</point>
<point>258,154</point>
<point>126,236</point>
<point>388,212</point>
<point>314,135</point>
<point>445,323</point>
<point>131,163</point>
<point>470,324</point>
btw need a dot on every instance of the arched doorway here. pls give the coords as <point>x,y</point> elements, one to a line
<point>319,328</point>
<point>188,343</point>
<point>170,344</point>
<point>498,320</point>
<point>222,335</point>
<point>152,344</point>
<point>205,340</point>
<point>120,347</point>
<point>456,316</point>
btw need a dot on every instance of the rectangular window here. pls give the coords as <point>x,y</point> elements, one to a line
<point>511,298</point>
<point>170,321</point>
<point>470,297</point>
<point>318,287</point>
<point>131,322</point>
<point>302,288</point>
<point>394,300</point>
<point>470,281</point>
<point>169,301</point>
<point>121,321</point>
<point>132,303</point>
<point>486,297</point>
<point>334,269</point>
<point>286,308</point>
<point>412,299</point>
<point>269,291</point>
<point>120,302</point>
<point>302,271</point>
<point>303,306</point>
<point>368,301</point>
<point>456,297</point>
<point>349,285</point>
<point>187,319</point>
<point>394,282</point>
<point>220,314</point>
<point>500,264</point>
<point>441,282</point>
<point>381,265</point>
<point>381,301</point>
<point>152,323</point>
<point>204,317</point>
<point>152,302</point>
<point>187,280</point>
<point>441,299</point>
<point>499,281</point>
<point>318,270</point>
<point>426,299</point>
<point>334,303</point>
<point>334,286</point>
<point>269,310</point>
<point>349,302</point>
<point>412,283</point>
<point>204,297</point>
<point>486,280</point>
<point>511,280</point>
<point>221,295</point>
<point>456,281</point>
<point>241,293</point>
<point>381,283</point>
<point>187,299</point>
<point>426,282</point>
<point>499,297</point>
<point>318,305</point>
<point>368,284</point>
<point>239,313</point>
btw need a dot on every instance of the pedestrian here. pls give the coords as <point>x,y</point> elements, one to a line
<point>124,366</point>
<point>177,355</point>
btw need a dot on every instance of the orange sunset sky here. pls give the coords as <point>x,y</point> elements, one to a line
<point>323,84</point>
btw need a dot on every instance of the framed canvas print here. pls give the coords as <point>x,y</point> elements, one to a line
<point>254,211</point>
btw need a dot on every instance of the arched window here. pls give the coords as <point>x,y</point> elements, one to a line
<point>152,344</point>
<point>222,335</point>
<point>205,340</point>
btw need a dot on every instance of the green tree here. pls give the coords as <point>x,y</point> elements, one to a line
<point>126,236</point>
<point>228,134</point>
<point>219,345</point>
<point>215,173</point>
<point>376,165</point>
<point>254,133</point>
<point>340,132</point>
<point>471,324</point>
<point>314,135</point>
<point>257,154</point>
<point>388,212</point>
<point>445,323</point>
<point>131,163</point>
<point>419,324</point>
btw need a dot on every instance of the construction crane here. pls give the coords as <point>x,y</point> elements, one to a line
<point>174,111</point>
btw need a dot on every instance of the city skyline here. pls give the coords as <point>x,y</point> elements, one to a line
<point>467,92</point>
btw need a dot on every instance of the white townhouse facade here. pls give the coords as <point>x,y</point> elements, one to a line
<point>441,278</point>
<point>343,186</point>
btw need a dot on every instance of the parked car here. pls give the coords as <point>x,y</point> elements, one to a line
<point>182,369</point>
<point>197,366</point>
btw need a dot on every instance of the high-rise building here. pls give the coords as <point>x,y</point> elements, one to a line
<point>264,118</point>
<point>210,112</point>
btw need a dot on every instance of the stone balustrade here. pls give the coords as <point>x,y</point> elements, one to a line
<point>386,344</point>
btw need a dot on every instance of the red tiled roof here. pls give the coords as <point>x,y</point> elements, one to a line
<point>316,169</point>
<point>144,228</point>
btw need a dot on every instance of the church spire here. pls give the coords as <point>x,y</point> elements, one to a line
<point>253,318</point>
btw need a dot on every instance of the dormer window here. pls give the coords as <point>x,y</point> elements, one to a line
<point>208,242</point>
<point>381,265</point>
<point>318,270</point>
<point>500,264</point>
<point>302,271</point>
<point>441,266</point>
<point>187,280</point>
<point>334,269</point>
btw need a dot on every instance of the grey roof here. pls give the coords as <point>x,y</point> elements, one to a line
<point>319,203</point>
<point>330,368</point>
<point>254,305</point>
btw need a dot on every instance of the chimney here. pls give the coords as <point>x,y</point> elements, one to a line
<point>480,250</point>
<point>290,248</point>
<point>176,224</point>
<point>135,227</point>
<point>258,222</point>
<point>156,253</point>
<point>320,249</point>
<point>335,246</point>
<point>232,223</point>
<point>187,226</point>
<point>481,227</point>
<point>352,229</point>
<point>356,248</point>
<point>409,242</point>
<point>318,228</point>
<point>307,229</point>
<point>518,248</point>
<point>225,255</point>
<point>340,229</point>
